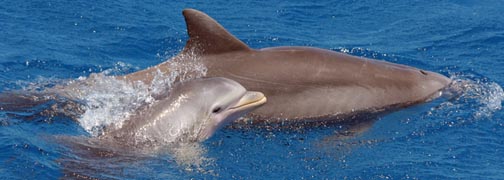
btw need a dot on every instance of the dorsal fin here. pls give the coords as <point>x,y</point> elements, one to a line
<point>207,36</point>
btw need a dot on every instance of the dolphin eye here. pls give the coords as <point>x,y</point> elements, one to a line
<point>216,110</point>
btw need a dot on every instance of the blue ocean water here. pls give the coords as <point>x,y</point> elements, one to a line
<point>44,42</point>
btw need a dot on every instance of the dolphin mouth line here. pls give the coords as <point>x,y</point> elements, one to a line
<point>255,102</point>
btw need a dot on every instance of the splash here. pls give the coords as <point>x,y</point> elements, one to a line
<point>482,95</point>
<point>183,67</point>
<point>192,157</point>
<point>108,101</point>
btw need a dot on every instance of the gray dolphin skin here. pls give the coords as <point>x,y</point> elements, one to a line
<point>191,112</point>
<point>302,83</point>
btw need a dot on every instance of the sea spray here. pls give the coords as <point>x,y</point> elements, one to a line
<point>467,100</point>
<point>109,101</point>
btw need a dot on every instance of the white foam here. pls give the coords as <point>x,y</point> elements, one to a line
<point>491,99</point>
<point>482,95</point>
<point>109,101</point>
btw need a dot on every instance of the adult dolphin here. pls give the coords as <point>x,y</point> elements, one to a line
<point>191,112</point>
<point>302,83</point>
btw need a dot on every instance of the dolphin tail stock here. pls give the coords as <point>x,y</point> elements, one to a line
<point>36,104</point>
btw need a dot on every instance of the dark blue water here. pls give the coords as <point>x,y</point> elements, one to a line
<point>44,42</point>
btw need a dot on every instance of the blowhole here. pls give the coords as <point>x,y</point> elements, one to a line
<point>216,110</point>
<point>423,72</point>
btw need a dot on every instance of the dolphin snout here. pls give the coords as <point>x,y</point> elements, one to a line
<point>250,99</point>
<point>434,83</point>
<point>438,81</point>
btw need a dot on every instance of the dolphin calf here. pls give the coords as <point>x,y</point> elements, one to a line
<point>301,83</point>
<point>191,112</point>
